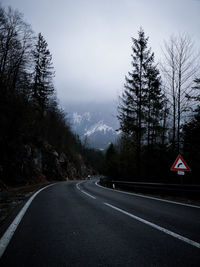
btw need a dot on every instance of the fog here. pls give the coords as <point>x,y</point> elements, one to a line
<point>90,40</point>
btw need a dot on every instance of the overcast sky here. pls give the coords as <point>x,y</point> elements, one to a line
<point>90,40</point>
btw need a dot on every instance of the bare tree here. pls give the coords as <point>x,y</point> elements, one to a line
<point>15,47</point>
<point>179,66</point>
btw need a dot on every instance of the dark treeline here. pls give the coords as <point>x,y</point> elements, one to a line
<point>159,117</point>
<point>32,125</point>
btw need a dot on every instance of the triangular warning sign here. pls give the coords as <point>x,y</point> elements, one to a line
<point>180,165</point>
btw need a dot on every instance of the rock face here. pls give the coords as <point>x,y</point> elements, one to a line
<point>37,163</point>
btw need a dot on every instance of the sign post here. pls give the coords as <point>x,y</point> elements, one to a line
<point>180,166</point>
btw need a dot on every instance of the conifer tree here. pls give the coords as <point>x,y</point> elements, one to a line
<point>111,162</point>
<point>43,73</point>
<point>155,104</point>
<point>134,97</point>
<point>191,133</point>
<point>141,107</point>
<point>195,97</point>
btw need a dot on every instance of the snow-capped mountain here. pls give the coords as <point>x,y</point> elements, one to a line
<point>96,124</point>
<point>99,127</point>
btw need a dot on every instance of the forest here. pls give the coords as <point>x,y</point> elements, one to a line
<point>159,114</point>
<point>36,141</point>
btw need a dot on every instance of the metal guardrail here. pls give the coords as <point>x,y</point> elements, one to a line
<point>185,190</point>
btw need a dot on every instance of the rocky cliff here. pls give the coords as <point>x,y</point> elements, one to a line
<point>37,163</point>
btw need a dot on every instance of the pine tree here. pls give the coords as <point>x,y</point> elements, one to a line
<point>195,94</point>
<point>141,112</point>
<point>191,141</point>
<point>134,98</point>
<point>43,73</point>
<point>154,107</point>
<point>111,162</point>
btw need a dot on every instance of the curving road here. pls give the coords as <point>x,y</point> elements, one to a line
<point>81,224</point>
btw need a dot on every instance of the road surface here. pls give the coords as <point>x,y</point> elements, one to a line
<point>81,224</point>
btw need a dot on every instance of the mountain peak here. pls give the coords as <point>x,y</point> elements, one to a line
<point>94,123</point>
<point>99,127</point>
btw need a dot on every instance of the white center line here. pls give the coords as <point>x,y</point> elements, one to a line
<point>88,194</point>
<point>77,186</point>
<point>164,230</point>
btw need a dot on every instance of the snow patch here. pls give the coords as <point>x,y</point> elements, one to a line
<point>87,116</point>
<point>99,127</point>
<point>118,132</point>
<point>77,119</point>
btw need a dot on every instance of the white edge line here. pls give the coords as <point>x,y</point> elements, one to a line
<point>154,198</point>
<point>77,186</point>
<point>166,231</point>
<point>4,241</point>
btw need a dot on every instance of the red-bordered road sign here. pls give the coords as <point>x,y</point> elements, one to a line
<point>180,165</point>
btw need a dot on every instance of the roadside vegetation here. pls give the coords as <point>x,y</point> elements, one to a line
<point>36,142</point>
<point>159,114</point>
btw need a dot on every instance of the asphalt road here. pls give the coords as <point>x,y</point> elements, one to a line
<point>81,224</point>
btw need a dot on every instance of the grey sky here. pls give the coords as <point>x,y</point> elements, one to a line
<point>90,40</point>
